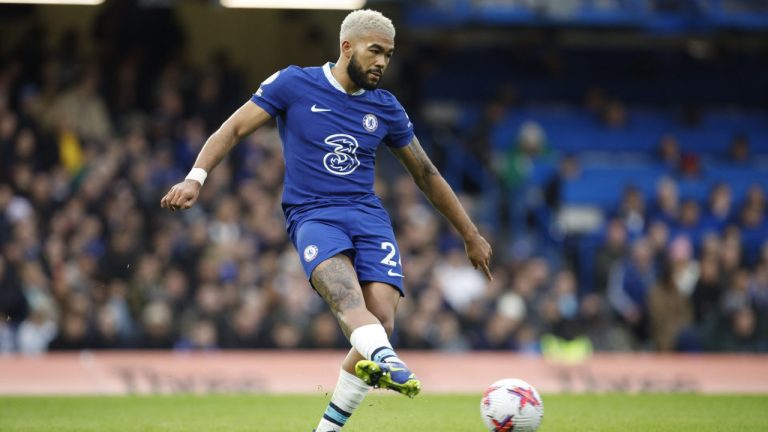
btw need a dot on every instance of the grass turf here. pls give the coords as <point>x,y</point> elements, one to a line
<point>445,413</point>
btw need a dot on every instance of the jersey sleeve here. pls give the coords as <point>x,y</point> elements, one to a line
<point>400,128</point>
<point>277,92</point>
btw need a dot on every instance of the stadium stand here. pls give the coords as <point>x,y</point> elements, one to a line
<point>600,194</point>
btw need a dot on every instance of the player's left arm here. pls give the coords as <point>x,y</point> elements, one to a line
<point>442,197</point>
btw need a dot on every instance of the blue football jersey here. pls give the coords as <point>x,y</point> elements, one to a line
<point>329,137</point>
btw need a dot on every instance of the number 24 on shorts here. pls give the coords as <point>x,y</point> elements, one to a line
<point>391,252</point>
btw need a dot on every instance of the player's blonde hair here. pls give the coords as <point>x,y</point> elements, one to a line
<point>364,21</point>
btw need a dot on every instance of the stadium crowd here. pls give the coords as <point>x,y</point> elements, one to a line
<point>90,261</point>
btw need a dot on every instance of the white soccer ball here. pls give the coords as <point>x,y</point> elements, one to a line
<point>511,405</point>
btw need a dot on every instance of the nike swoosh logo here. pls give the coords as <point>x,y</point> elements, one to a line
<point>393,274</point>
<point>394,369</point>
<point>316,109</point>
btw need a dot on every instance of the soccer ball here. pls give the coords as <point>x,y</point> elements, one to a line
<point>511,405</point>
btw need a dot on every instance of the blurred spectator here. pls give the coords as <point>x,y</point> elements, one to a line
<point>560,309</point>
<point>754,228</point>
<point>38,330</point>
<point>81,108</point>
<point>737,295</point>
<point>324,333</point>
<point>515,167</point>
<point>286,335</point>
<point>730,255</point>
<point>670,310</point>
<point>708,291</point>
<point>743,333</point>
<point>629,282</point>
<point>597,323</point>
<point>690,165</point>
<point>158,326</point>
<point>478,139</point>
<point>683,266</point>
<point>499,334</point>
<point>689,221</point>
<point>614,114</point>
<point>459,282</point>
<point>567,169</point>
<point>755,197</point>
<point>720,211</point>
<point>245,328</point>
<point>613,250</point>
<point>7,339</point>
<point>74,333</point>
<point>632,211</point>
<point>531,282</point>
<point>667,205</point>
<point>200,336</point>
<point>759,286</point>
<point>739,151</point>
<point>658,238</point>
<point>13,304</point>
<point>669,152</point>
<point>448,335</point>
<point>107,330</point>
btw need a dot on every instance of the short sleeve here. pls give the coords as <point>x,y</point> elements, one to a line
<point>400,128</point>
<point>276,92</point>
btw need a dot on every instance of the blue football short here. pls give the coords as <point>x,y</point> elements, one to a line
<point>362,232</point>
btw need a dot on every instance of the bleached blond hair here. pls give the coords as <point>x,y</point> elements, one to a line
<point>365,21</point>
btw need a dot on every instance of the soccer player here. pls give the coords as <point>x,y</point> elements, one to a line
<point>331,119</point>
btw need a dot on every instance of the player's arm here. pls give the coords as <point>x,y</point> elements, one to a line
<point>442,197</point>
<point>245,120</point>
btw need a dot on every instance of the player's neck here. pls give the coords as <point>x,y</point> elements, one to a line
<point>339,71</point>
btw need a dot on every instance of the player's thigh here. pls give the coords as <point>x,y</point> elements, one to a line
<point>382,299</point>
<point>335,280</point>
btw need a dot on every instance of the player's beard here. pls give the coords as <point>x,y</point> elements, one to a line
<point>359,76</point>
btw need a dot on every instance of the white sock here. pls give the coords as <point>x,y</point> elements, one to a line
<point>349,392</point>
<point>371,341</point>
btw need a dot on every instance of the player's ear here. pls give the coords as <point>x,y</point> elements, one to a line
<point>346,48</point>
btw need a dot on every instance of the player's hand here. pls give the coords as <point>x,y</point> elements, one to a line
<point>181,196</point>
<point>479,253</point>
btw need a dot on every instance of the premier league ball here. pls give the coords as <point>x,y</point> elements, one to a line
<point>511,405</point>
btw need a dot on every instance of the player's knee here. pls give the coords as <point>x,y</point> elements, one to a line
<point>389,327</point>
<point>388,322</point>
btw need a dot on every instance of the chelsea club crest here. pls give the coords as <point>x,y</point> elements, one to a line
<point>370,122</point>
<point>310,253</point>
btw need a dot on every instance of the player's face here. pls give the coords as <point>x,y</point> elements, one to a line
<point>370,58</point>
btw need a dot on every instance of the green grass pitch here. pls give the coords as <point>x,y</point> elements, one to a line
<point>445,413</point>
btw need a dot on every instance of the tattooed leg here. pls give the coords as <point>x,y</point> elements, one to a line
<point>336,281</point>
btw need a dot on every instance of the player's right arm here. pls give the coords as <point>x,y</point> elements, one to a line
<point>275,94</point>
<point>245,120</point>
<point>242,123</point>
